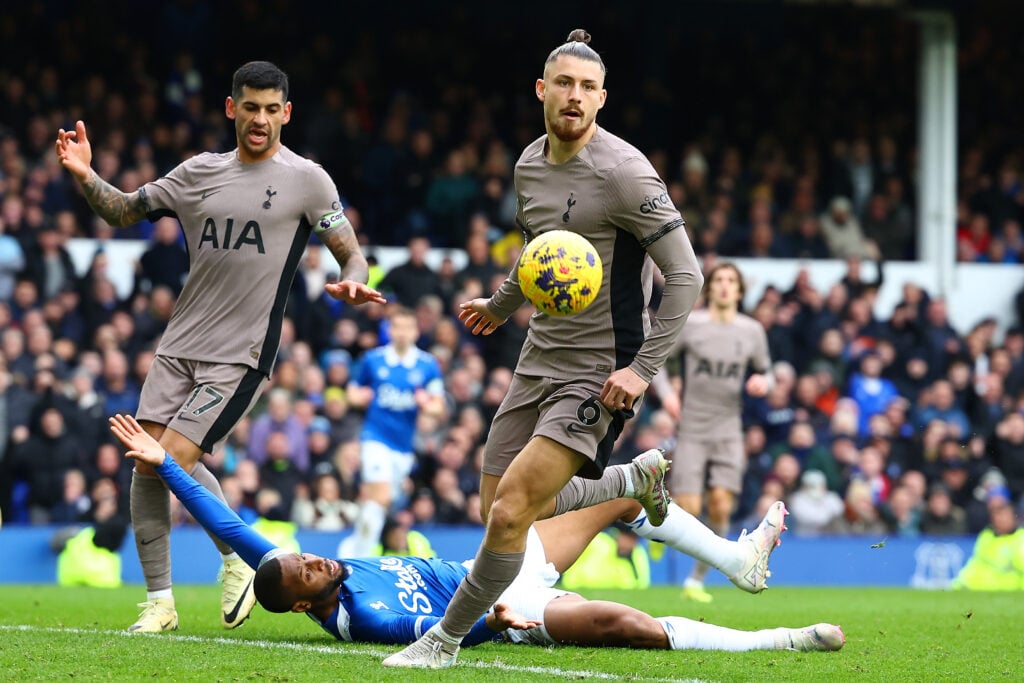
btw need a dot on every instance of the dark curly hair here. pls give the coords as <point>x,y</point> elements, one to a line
<point>267,586</point>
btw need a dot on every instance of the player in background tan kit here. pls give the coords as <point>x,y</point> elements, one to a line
<point>578,378</point>
<point>247,216</point>
<point>718,345</point>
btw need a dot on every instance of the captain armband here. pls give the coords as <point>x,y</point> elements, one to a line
<point>329,221</point>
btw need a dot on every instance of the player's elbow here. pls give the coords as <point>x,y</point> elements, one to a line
<point>687,277</point>
<point>694,278</point>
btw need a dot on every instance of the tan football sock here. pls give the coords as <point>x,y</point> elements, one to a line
<point>491,574</point>
<point>150,504</point>
<point>582,493</point>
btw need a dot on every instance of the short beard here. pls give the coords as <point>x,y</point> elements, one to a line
<point>566,134</point>
<point>332,587</point>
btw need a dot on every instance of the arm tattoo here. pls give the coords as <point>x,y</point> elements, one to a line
<point>343,246</point>
<point>111,204</point>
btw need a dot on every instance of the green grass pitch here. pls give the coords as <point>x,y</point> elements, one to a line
<point>49,633</point>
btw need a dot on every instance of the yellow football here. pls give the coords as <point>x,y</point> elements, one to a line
<point>560,272</point>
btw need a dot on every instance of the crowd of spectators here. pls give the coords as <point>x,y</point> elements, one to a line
<point>900,425</point>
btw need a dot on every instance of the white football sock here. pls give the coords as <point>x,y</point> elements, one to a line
<point>700,569</point>
<point>687,634</point>
<point>690,536</point>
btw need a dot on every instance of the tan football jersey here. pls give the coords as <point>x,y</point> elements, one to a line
<point>716,357</point>
<point>610,194</point>
<point>246,226</point>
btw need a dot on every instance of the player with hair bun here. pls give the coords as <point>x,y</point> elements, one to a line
<point>579,378</point>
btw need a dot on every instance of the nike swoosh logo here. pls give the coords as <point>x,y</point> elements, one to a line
<point>574,428</point>
<point>145,542</point>
<point>233,614</point>
<point>208,193</point>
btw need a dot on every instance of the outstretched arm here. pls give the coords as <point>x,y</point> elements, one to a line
<point>209,511</point>
<point>342,243</point>
<point>111,204</point>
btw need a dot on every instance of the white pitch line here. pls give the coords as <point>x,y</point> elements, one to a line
<point>327,649</point>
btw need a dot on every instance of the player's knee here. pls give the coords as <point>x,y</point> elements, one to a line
<point>509,517</point>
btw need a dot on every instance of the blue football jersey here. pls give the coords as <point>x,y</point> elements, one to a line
<point>394,600</point>
<point>390,600</point>
<point>391,416</point>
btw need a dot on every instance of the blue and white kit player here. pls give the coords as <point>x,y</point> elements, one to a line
<point>394,383</point>
<point>394,600</point>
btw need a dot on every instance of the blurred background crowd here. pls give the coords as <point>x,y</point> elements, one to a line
<point>779,133</point>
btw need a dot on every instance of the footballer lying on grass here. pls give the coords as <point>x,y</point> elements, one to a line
<point>394,600</point>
